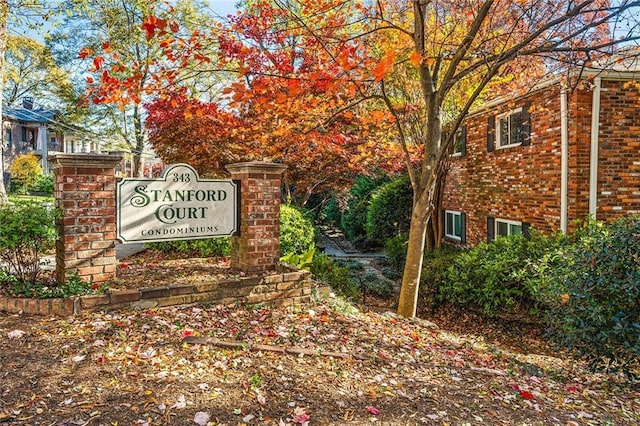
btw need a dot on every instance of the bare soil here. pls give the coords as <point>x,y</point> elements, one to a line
<point>138,367</point>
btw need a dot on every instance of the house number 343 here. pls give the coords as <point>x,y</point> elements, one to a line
<point>181,177</point>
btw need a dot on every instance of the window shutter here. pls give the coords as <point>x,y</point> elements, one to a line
<point>491,132</point>
<point>24,134</point>
<point>525,230</point>
<point>491,229</point>
<point>444,222</point>
<point>525,126</point>
<point>463,148</point>
<point>463,226</point>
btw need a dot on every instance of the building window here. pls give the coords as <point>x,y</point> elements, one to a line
<point>7,138</point>
<point>454,225</point>
<point>459,147</point>
<point>505,227</point>
<point>509,129</point>
<point>460,142</point>
<point>28,138</point>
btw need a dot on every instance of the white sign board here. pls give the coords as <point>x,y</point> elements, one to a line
<point>177,206</point>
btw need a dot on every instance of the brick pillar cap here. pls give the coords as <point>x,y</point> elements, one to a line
<point>253,166</point>
<point>83,160</point>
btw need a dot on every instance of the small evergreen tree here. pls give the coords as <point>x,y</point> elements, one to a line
<point>25,171</point>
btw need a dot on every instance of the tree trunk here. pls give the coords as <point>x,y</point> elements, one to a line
<point>138,169</point>
<point>413,266</point>
<point>431,242</point>
<point>4,16</point>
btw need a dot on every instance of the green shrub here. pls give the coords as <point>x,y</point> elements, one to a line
<point>435,267</point>
<point>348,278</point>
<point>353,266</point>
<point>396,250</point>
<point>389,212</point>
<point>27,231</point>
<point>297,234</point>
<point>331,213</point>
<point>43,185</point>
<point>500,276</point>
<point>354,219</point>
<point>597,304</point>
<point>300,261</point>
<point>391,273</point>
<point>208,247</point>
<point>336,276</point>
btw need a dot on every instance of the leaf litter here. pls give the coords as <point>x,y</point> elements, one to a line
<point>144,367</point>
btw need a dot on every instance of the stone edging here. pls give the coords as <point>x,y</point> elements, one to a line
<point>285,288</point>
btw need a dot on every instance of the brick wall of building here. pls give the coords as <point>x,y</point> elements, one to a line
<point>579,129</point>
<point>619,151</point>
<point>523,183</point>
<point>520,183</point>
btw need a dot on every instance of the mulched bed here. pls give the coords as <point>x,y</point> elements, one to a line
<point>152,268</point>
<point>168,366</point>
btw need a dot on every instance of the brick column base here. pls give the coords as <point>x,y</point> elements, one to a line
<point>85,189</point>
<point>257,248</point>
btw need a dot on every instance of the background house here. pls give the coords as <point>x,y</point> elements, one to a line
<point>547,159</point>
<point>28,129</point>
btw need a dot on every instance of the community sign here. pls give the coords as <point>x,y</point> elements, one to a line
<point>177,206</point>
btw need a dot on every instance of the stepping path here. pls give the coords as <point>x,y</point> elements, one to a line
<point>336,245</point>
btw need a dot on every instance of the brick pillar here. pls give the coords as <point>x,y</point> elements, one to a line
<point>85,189</point>
<point>257,248</point>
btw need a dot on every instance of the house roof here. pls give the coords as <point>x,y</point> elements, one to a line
<point>38,115</point>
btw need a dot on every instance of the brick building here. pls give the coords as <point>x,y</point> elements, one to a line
<point>547,159</point>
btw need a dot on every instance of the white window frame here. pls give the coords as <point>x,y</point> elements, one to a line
<point>509,223</point>
<point>498,141</point>
<point>446,234</point>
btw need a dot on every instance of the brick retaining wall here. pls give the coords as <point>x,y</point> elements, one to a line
<point>287,287</point>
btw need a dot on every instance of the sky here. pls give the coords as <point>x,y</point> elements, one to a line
<point>223,7</point>
<point>38,28</point>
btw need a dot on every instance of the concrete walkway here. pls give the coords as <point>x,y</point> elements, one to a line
<point>335,244</point>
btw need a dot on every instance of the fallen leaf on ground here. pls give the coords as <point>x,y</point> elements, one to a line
<point>372,410</point>
<point>201,418</point>
<point>15,334</point>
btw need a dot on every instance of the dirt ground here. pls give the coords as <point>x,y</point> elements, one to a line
<point>204,365</point>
